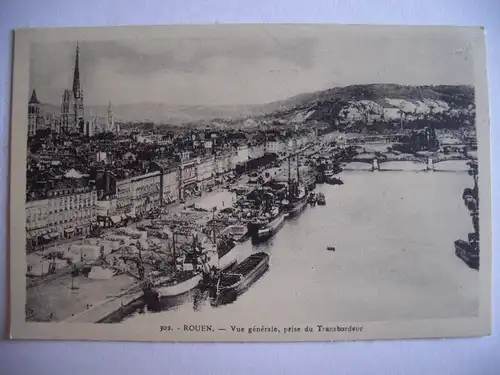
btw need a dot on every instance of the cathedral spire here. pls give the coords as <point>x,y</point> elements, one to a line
<point>34,99</point>
<point>110,123</point>
<point>76,74</point>
<point>79,122</point>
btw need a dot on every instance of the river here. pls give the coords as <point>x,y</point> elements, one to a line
<point>393,232</point>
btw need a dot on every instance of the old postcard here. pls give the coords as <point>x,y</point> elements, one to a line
<point>250,183</point>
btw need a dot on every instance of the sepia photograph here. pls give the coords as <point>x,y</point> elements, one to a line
<point>250,183</point>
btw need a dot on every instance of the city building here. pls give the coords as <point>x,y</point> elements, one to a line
<point>116,204</point>
<point>145,192</point>
<point>170,186</point>
<point>275,146</point>
<point>60,213</point>
<point>207,172</point>
<point>188,178</point>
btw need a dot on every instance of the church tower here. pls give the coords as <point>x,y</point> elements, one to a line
<point>67,115</point>
<point>78,94</point>
<point>33,114</point>
<point>110,124</point>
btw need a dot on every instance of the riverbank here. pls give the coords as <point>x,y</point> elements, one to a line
<point>394,257</point>
<point>65,298</point>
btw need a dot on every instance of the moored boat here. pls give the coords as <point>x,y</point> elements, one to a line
<point>182,274</point>
<point>297,194</point>
<point>266,224</point>
<point>177,285</point>
<point>274,223</point>
<point>230,285</point>
<point>227,257</point>
<point>321,199</point>
<point>295,203</point>
<point>312,199</point>
<point>468,252</point>
<point>334,181</point>
<point>237,232</point>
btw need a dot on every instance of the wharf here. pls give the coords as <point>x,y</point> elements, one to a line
<point>62,298</point>
<point>90,301</point>
<point>110,306</point>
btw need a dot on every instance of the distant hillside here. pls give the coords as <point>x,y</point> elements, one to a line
<point>324,106</point>
<point>164,113</point>
<point>329,103</point>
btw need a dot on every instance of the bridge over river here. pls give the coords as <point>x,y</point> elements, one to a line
<point>440,162</point>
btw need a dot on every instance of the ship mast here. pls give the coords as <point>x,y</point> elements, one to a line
<point>289,176</point>
<point>298,176</point>
<point>289,171</point>
<point>215,238</point>
<point>173,251</point>
<point>213,226</point>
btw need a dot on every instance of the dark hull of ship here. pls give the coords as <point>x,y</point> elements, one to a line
<point>253,228</point>
<point>154,294</point>
<point>294,208</point>
<point>321,200</point>
<point>467,253</point>
<point>269,230</point>
<point>312,185</point>
<point>334,181</point>
<point>262,232</point>
<point>251,270</point>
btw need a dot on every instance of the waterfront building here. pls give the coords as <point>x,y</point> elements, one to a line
<point>188,178</point>
<point>206,172</point>
<point>170,186</point>
<point>106,212</point>
<point>123,196</point>
<point>116,204</point>
<point>60,212</point>
<point>275,146</point>
<point>256,151</point>
<point>241,155</point>
<point>145,192</point>
<point>223,164</point>
<point>169,180</point>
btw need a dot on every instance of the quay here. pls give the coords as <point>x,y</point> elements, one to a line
<point>62,295</point>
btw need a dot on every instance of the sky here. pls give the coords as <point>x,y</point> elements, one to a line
<point>246,68</point>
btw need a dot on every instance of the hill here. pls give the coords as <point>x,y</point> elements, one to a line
<point>326,105</point>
